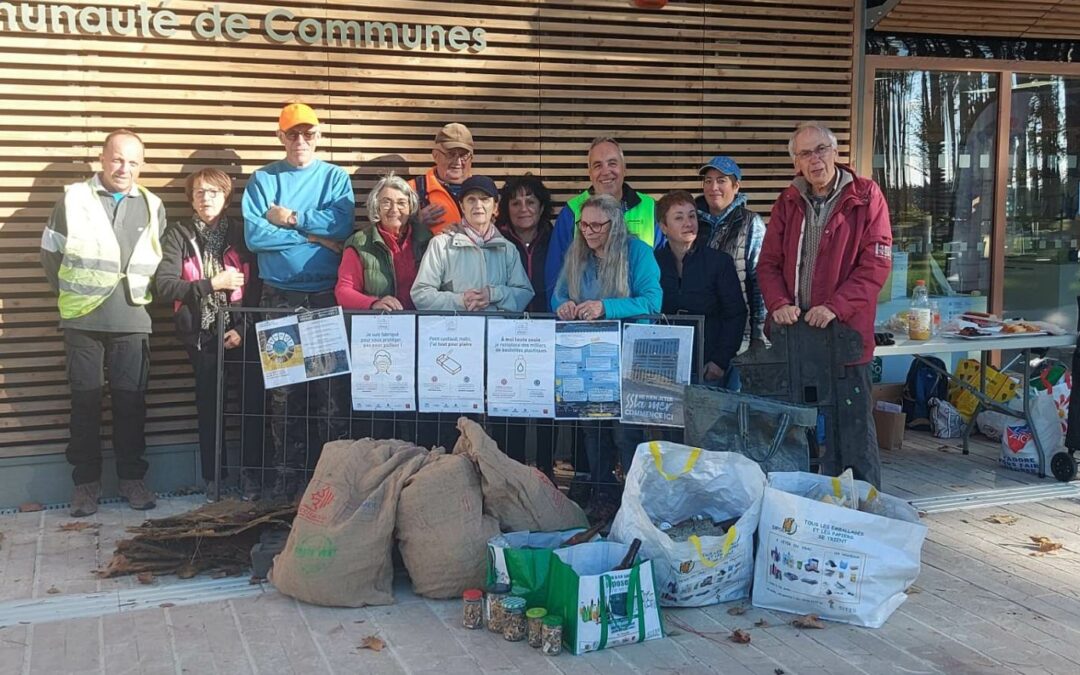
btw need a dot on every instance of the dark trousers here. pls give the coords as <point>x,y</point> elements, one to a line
<point>864,461</point>
<point>605,443</point>
<point>510,433</point>
<point>126,358</point>
<point>241,369</point>
<point>305,416</point>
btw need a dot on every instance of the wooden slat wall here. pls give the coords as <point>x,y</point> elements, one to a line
<point>676,85</point>
<point>1034,19</point>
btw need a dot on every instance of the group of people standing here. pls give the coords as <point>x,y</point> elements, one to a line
<point>448,239</point>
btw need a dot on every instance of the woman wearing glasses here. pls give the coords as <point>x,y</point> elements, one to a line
<point>379,263</point>
<point>607,274</point>
<point>206,267</point>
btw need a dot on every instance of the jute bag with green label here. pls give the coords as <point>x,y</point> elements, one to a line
<point>674,490</point>
<point>600,607</point>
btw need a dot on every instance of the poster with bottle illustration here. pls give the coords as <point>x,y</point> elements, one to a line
<point>450,364</point>
<point>655,372</point>
<point>520,368</point>
<point>384,362</point>
<point>588,378</point>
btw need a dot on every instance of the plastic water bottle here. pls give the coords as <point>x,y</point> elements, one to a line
<point>920,315</point>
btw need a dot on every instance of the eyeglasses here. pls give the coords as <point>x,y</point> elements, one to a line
<point>455,157</point>
<point>402,204</point>
<point>212,194</point>
<point>292,136</point>
<point>820,152</point>
<point>593,227</point>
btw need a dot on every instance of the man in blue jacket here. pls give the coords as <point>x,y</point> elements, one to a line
<point>298,211</point>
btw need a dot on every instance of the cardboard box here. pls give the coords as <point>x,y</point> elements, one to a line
<point>888,415</point>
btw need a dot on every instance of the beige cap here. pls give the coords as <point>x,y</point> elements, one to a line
<point>454,135</point>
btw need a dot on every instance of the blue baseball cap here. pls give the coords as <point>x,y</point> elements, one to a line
<point>724,165</point>
<point>479,183</point>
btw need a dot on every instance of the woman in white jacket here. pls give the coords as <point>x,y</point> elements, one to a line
<point>470,266</point>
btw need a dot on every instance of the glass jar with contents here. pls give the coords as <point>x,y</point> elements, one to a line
<point>513,617</point>
<point>472,610</point>
<point>551,637</point>
<point>493,611</point>
<point>535,618</point>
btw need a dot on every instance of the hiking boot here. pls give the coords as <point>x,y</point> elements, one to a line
<point>84,499</point>
<point>136,493</point>
<point>251,487</point>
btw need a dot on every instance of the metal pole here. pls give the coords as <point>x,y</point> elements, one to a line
<point>219,407</point>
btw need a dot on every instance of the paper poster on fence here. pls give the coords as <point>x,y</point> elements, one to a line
<point>450,364</point>
<point>520,368</point>
<point>384,362</point>
<point>655,372</point>
<point>587,373</point>
<point>302,347</point>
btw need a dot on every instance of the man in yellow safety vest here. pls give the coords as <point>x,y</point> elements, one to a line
<point>100,250</point>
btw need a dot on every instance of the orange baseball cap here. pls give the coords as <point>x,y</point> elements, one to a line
<point>296,113</point>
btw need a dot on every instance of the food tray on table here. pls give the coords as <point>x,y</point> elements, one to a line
<point>983,334</point>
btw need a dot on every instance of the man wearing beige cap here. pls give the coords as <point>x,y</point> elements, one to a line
<point>440,188</point>
<point>298,211</point>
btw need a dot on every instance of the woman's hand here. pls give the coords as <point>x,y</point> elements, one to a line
<point>232,339</point>
<point>335,246</point>
<point>567,311</point>
<point>388,303</point>
<point>476,299</point>
<point>590,310</point>
<point>713,372</point>
<point>229,280</point>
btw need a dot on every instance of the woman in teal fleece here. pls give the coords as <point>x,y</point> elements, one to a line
<point>607,274</point>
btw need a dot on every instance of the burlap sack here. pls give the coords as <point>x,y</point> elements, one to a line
<point>518,496</point>
<point>339,549</point>
<point>442,531</point>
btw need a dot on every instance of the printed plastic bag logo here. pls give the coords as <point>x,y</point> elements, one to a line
<point>1017,437</point>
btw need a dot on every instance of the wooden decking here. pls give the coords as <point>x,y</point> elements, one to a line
<point>986,602</point>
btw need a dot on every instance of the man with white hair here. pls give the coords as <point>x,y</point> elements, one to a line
<point>826,255</point>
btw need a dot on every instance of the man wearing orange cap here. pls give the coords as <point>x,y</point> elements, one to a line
<point>440,188</point>
<point>298,211</point>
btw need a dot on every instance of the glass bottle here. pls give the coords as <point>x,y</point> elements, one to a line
<point>920,316</point>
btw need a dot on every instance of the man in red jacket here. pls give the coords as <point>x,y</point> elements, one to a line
<point>826,254</point>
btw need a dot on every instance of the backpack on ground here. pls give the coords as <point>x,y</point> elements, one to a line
<point>922,384</point>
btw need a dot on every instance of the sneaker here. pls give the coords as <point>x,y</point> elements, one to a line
<point>136,493</point>
<point>251,487</point>
<point>84,499</point>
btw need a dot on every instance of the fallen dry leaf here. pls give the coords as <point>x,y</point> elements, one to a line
<point>145,578</point>
<point>78,526</point>
<point>1046,545</point>
<point>373,643</point>
<point>53,590</point>
<point>808,621</point>
<point>166,605</point>
<point>1001,519</point>
<point>30,507</point>
<point>737,610</point>
<point>761,623</point>
<point>912,590</point>
<point>778,671</point>
<point>739,636</point>
<point>187,571</point>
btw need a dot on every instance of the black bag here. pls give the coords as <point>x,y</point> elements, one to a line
<point>772,433</point>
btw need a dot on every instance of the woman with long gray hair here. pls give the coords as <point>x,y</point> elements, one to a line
<point>607,274</point>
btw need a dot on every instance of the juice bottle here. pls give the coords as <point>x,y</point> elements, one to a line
<point>920,316</point>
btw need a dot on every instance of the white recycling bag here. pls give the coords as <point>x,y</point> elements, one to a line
<point>672,483</point>
<point>840,563</point>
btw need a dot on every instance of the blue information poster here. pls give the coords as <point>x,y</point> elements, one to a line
<point>588,377</point>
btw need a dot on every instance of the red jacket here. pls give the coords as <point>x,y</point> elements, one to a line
<point>853,260</point>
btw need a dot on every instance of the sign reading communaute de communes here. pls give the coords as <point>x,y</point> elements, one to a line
<point>277,24</point>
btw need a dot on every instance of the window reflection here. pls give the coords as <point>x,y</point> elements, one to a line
<point>1041,204</point>
<point>934,137</point>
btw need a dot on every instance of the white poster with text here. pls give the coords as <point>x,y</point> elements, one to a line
<point>520,368</point>
<point>384,362</point>
<point>450,364</point>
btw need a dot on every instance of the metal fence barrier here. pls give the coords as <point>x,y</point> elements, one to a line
<point>271,440</point>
